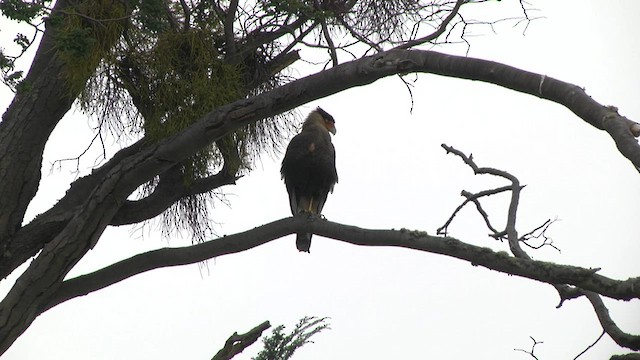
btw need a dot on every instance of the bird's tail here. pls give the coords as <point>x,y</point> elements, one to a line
<point>303,242</point>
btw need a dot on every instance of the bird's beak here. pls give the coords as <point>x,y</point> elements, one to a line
<point>332,128</point>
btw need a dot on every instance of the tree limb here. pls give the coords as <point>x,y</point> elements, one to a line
<point>27,124</point>
<point>510,228</point>
<point>417,240</point>
<point>229,37</point>
<point>237,343</point>
<point>170,189</point>
<point>631,356</point>
<point>620,337</point>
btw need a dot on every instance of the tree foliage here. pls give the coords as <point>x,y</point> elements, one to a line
<point>281,346</point>
<point>195,92</point>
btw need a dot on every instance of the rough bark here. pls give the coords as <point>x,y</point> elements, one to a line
<point>25,128</point>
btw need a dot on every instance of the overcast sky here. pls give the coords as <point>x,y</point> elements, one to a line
<point>387,303</point>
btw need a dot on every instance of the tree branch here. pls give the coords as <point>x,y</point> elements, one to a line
<point>620,337</point>
<point>230,42</point>
<point>631,356</point>
<point>237,343</point>
<point>510,228</point>
<point>477,256</point>
<point>28,122</point>
<point>469,197</point>
<point>436,34</point>
<point>170,189</point>
<point>32,237</point>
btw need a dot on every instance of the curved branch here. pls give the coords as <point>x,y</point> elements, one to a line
<point>510,228</point>
<point>170,189</point>
<point>620,337</point>
<point>417,240</point>
<point>474,198</point>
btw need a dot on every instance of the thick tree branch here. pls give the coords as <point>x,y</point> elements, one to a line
<point>632,356</point>
<point>27,124</point>
<point>31,238</point>
<point>417,240</point>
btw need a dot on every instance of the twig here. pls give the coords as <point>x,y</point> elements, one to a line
<point>533,347</point>
<point>590,346</point>
<point>470,197</point>
<point>439,31</point>
<point>537,233</point>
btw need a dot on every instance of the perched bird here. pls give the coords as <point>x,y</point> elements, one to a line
<point>309,168</point>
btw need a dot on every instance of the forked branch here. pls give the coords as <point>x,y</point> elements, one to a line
<point>566,292</point>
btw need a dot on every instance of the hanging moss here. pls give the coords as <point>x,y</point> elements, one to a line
<point>188,80</point>
<point>85,34</point>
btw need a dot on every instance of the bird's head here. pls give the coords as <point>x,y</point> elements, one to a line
<point>327,120</point>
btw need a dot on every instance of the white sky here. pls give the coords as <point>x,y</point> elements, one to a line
<point>387,303</point>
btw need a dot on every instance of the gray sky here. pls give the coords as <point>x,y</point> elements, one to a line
<point>387,303</point>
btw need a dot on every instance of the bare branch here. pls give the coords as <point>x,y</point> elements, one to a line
<point>327,37</point>
<point>620,337</point>
<point>590,346</point>
<point>417,240</point>
<point>439,31</point>
<point>469,197</point>
<point>510,229</point>
<point>533,347</point>
<point>359,37</point>
<point>331,46</point>
<point>537,233</point>
<point>238,342</point>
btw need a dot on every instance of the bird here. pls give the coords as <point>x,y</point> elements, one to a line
<point>309,168</point>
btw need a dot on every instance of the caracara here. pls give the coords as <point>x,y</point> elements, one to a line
<point>309,168</point>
